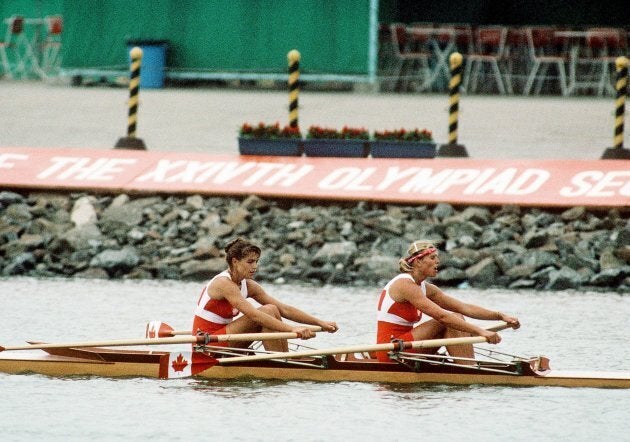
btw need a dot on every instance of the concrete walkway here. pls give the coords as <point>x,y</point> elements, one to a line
<point>207,120</point>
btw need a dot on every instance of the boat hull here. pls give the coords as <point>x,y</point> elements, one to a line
<point>131,363</point>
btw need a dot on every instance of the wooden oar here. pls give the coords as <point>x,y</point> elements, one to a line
<point>159,329</point>
<point>398,346</point>
<point>200,340</point>
<point>111,343</point>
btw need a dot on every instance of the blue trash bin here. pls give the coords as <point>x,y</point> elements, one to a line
<point>153,61</point>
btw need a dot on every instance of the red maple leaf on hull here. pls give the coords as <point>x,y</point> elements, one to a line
<point>179,363</point>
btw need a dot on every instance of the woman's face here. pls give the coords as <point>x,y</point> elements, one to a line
<point>246,267</point>
<point>429,264</point>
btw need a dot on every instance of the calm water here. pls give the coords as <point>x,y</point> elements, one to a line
<point>576,330</point>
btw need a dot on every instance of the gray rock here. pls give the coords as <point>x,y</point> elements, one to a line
<point>254,202</point>
<point>484,273</point>
<point>535,238</point>
<point>522,284</point>
<point>82,237</point>
<point>573,213</point>
<point>83,212</point>
<point>623,253</point>
<point>126,214</point>
<point>236,216</point>
<point>195,202</point>
<point>378,267</point>
<point>20,264</point>
<point>335,252</point>
<point>562,279</point>
<point>220,230</point>
<point>9,198</point>
<point>610,277</point>
<point>608,260</point>
<point>477,215</point>
<point>124,259</point>
<point>443,210</point>
<point>92,273</point>
<point>539,259</point>
<point>451,276</point>
<point>17,213</point>
<point>202,270</point>
<point>520,271</point>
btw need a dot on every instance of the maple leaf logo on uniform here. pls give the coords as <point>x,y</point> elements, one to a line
<point>179,364</point>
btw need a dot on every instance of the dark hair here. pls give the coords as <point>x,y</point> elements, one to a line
<point>239,248</point>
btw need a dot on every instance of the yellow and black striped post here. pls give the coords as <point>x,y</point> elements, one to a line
<point>452,149</point>
<point>617,152</point>
<point>294,86</point>
<point>130,141</point>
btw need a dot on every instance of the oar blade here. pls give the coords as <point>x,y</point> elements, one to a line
<point>182,364</point>
<point>158,329</point>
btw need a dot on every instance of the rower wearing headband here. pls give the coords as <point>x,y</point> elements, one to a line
<point>408,295</point>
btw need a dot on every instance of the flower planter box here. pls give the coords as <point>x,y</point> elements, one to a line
<point>324,147</point>
<point>290,147</point>
<point>402,149</point>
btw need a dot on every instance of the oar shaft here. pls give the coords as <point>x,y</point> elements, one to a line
<point>263,336</point>
<point>111,343</point>
<point>429,343</point>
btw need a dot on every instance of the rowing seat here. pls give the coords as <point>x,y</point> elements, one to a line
<point>357,357</point>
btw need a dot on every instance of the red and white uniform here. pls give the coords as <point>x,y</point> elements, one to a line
<point>395,319</point>
<point>213,315</point>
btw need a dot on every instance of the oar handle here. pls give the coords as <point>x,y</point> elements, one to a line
<point>498,327</point>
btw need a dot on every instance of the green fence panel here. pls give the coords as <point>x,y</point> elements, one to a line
<point>213,35</point>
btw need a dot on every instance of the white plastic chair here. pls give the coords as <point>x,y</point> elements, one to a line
<point>51,45</point>
<point>543,53</point>
<point>605,45</point>
<point>407,57</point>
<point>9,47</point>
<point>489,50</point>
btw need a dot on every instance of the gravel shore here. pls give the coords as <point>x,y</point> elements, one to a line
<point>359,244</point>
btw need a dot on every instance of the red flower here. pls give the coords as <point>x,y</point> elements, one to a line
<point>264,131</point>
<point>404,135</point>
<point>346,133</point>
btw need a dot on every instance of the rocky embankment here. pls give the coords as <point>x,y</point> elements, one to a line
<point>182,237</point>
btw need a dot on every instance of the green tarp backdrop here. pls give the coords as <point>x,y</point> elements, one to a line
<point>333,37</point>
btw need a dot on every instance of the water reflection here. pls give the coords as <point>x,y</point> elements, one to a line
<point>239,388</point>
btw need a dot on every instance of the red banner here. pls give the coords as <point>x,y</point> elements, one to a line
<point>562,183</point>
